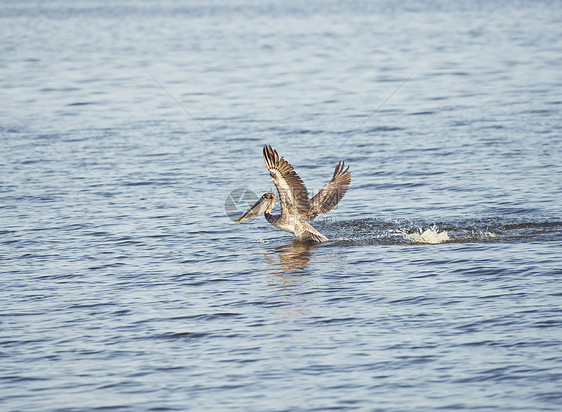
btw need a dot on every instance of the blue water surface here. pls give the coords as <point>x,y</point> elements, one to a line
<point>126,284</point>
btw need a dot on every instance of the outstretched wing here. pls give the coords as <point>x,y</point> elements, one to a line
<point>293,195</point>
<point>326,199</point>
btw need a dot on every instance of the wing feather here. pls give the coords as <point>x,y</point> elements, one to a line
<point>326,199</point>
<point>293,195</point>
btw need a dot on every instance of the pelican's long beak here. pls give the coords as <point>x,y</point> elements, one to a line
<point>257,209</point>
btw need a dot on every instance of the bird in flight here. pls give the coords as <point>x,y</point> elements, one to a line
<point>296,208</point>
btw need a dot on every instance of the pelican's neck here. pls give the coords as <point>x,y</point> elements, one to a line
<point>268,216</point>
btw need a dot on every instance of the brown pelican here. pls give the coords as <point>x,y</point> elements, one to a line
<point>296,209</point>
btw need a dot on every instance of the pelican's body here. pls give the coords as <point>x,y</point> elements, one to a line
<point>296,208</point>
<point>300,228</point>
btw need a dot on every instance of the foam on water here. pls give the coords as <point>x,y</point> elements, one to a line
<point>430,235</point>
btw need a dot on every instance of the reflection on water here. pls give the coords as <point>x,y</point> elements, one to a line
<point>289,278</point>
<point>286,259</point>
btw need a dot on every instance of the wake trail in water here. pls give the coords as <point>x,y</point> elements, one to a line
<point>466,230</point>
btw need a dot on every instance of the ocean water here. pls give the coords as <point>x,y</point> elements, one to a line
<point>131,137</point>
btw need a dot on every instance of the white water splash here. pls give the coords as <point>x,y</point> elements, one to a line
<point>431,235</point>
<point>484,234</point>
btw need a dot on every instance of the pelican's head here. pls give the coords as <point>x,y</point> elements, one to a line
<point>265,204</point>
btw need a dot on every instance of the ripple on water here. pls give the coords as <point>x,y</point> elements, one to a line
<point>125,285</point>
